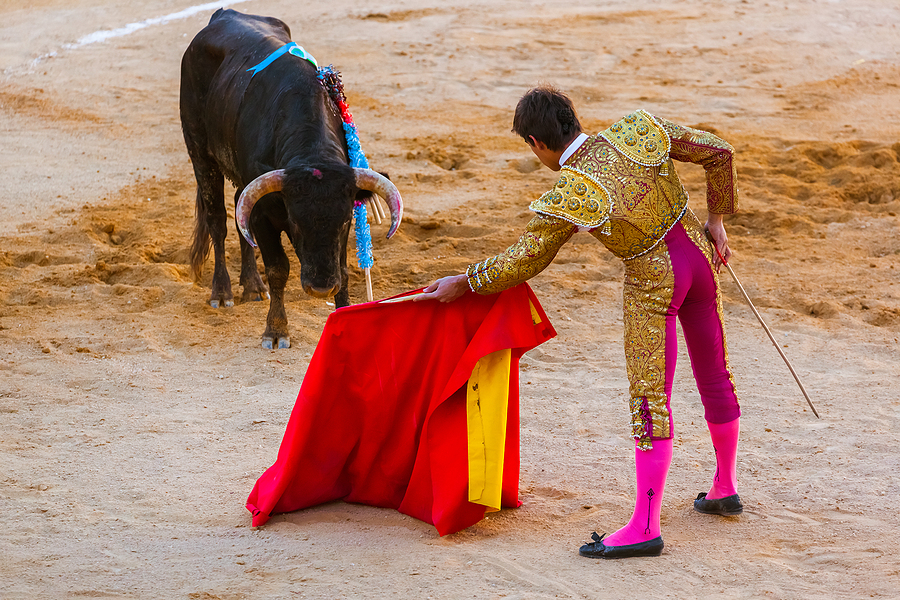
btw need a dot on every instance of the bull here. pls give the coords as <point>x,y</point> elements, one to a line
<point>276,135</point>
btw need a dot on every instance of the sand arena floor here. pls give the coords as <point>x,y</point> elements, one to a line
<point>135,418</point>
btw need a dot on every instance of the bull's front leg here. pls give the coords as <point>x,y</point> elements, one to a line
<point>278,268</point>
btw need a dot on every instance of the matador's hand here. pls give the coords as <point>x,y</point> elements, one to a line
<point>715,229</point>
<point>445,289</point>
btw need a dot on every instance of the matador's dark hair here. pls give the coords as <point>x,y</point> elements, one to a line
<point>547,114</point>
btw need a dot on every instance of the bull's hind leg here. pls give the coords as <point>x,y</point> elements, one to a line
<point>212,222</point>
<point>251,282</point>
<point>278,268</point>
<point>211,218</point>
<point>218,229</point>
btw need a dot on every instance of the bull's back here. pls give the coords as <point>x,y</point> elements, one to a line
<point>214,80</point>
<point>231,34</point>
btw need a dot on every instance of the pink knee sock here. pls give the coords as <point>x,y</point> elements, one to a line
<point>725,441</point>
<point>651,468</point>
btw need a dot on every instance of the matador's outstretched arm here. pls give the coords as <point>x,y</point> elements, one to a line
<point>534,250</point>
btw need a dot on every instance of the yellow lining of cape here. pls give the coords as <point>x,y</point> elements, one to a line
<point>487,402</point>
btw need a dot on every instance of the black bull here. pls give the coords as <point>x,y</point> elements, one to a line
<point>278,138</point>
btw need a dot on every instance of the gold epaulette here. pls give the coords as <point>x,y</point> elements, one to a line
<point>640,138</point>
<point>577,198</point>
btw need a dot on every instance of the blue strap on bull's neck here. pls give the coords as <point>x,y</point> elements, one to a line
<point>292,48</point>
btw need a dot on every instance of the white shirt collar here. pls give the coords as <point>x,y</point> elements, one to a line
<point>572,148</point>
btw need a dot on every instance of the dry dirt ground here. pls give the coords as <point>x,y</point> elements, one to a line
<point>135,418</point>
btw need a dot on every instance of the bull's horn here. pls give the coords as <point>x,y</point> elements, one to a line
<point>259,187</point>
<point>367,179</point>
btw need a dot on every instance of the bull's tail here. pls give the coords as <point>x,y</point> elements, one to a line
<point>200,242</point>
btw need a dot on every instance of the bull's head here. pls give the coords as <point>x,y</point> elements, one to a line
<point>319,206</point>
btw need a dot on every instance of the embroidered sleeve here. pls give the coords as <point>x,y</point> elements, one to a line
<point>535,249</point>
<point>715,155</point>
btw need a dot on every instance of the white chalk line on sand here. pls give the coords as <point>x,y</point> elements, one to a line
<point>106,34</point>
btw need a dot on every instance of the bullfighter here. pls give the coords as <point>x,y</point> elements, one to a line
<point>621,186</point>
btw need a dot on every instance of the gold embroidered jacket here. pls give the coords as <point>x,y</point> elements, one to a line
<point>620,185</point>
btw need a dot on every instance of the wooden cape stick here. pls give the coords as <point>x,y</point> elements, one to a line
<point>376,214</point>
<point>401,298</point>
<point>378,208</point>
<point>369,295</point>
<point>764,326</point>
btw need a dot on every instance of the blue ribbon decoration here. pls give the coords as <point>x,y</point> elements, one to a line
<point>363,237</point>
<point>331,80</point>
<point>361,225</point>
<point>357,158</point>
<point>291,48</point>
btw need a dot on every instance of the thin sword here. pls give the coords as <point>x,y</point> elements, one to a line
<point>764,326</point>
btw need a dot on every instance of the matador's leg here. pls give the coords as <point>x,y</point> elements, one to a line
<point>703,325</point>
<point>650,353</point>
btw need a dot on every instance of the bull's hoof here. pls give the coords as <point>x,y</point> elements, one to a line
<point>215,303</point>
<point>254,293</point>
<point>269,343</point>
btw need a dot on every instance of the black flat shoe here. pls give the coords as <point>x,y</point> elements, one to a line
<point>727,506</point>
<point>597,549</point>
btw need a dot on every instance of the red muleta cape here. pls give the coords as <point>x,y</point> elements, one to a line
<point>381,414</point>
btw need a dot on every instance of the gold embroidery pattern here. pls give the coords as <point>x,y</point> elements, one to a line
<point>639,138</point>
<point>695,231</point>
<point>644,204</point>
<point>715,155</point>
<point>649,287</point>
<point>577,198</point>
<point>534,250</point>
